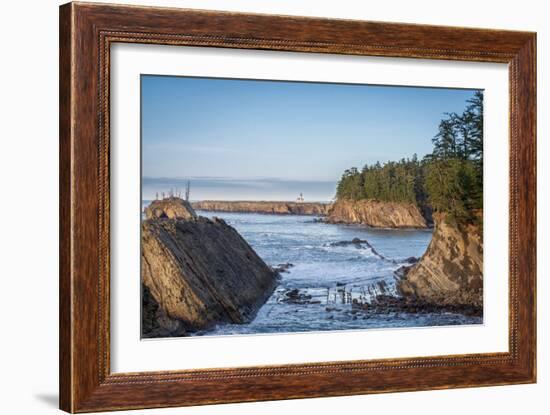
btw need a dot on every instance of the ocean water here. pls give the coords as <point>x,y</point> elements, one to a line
<point>327,274</point>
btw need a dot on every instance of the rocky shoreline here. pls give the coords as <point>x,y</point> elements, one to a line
<point>417,291</point>
<point>379,304</point>
<point>199,272</point>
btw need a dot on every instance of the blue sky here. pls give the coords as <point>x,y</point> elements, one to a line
<point>270,140</point>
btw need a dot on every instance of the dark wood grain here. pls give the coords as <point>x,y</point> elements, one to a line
<point>65,246</point>
<point>86,33</point>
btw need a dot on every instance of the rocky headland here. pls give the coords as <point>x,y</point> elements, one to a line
<point>197,272</point>
<point>378,214</point>
<point>269,207</point>
<point>450,273</point>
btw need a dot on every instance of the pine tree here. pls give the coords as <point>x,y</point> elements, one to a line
<point>449,180</point>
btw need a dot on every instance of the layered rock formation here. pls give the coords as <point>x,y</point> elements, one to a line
<point>377,214</point>
<point>197,272</point>
<point>171,208</point>
<point>451,270</point>
<point>283,208</point>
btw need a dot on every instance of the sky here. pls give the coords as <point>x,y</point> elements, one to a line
<point>271,140</point>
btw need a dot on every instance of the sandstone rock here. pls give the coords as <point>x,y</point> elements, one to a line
<point>171,208</point>
<point>451,270</point>
<point>197,273</point>
<point>377,214</point>
<point>281,208</point>
<point>154,320</point>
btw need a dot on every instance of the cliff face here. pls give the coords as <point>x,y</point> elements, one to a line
<point>377,214</point>
<point>284,208</point>
<point>451,270</point>
<point>198,272</point>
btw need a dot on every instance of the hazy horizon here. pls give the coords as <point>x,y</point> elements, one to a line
<point>272,140</point>
<point>246,189</point>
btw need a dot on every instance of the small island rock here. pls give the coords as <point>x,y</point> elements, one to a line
<point>171,208</point>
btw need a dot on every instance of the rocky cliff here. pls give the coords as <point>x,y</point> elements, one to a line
<point>284,208</point>
<point>377,214</point>
<point>451,270</point>
<point>197,272</point>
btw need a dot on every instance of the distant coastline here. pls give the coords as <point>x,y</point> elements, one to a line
<point>266,207</point>
<point>371,213</point>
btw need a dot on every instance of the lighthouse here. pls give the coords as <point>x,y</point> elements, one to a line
<point>300,199</point>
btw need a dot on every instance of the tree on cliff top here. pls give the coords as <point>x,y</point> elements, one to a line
<point>461,136</point>
<point>454,170</point>
<point>394,181</point>
<point>450,179</point>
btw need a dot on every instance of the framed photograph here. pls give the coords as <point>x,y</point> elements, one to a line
<point>258,207</point>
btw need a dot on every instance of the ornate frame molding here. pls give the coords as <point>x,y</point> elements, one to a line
<point>86,33</point>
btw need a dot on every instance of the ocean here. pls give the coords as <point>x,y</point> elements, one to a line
<point>327,273</point>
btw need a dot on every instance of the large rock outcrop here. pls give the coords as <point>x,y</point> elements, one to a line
<point>377,214</point>
<point>283,208</point>
<point>196,273</point>
<point>451,270</point>
<point>171,208</point>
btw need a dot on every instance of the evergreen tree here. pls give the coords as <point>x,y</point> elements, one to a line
<point>451,186</point>
<point>449,180</point>
<point>454,177</point>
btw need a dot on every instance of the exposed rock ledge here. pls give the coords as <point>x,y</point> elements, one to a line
<point>451,270</point>
<point>377,214</point>
<point>171,208</point>
<point>283,208</point>
<point>197,272</point>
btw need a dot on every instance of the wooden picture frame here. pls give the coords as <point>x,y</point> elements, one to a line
<point>86,33</point>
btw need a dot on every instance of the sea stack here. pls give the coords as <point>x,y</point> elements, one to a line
<point>197,272</point>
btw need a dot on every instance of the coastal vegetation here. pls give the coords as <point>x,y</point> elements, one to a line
<point>449,180</point>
